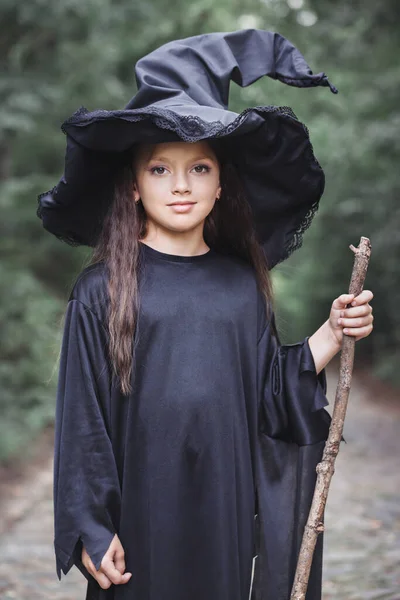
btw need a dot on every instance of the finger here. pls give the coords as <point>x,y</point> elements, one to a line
<point>356,311</point>
<point>119,560</point>
<point>362,331</point>
<point>102,579</point>
<point>108,567</point>
<point>365,296</point>
<point>88,563</point>
<point>342,301</point>
<point>356,322</point>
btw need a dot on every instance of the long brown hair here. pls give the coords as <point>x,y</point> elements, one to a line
<point>227,229</point>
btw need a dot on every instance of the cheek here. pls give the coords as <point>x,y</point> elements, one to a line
<point>206,187</point>
<point>153,188</point>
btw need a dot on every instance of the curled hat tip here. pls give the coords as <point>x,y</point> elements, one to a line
<point>333,89</point>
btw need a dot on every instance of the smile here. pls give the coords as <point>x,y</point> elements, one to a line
<point>182,206</point>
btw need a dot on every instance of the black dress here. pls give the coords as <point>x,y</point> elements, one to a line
<point>223,424</point>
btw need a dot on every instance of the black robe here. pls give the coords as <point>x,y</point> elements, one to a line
<point>210,461</point>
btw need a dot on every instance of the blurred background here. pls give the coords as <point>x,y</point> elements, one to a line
<point>57,56</point>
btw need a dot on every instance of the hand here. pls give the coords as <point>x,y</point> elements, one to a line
<point>356,320</point>
<point>112,565</point>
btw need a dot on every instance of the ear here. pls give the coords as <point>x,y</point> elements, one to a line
<point>219,190</point>
<point>136,195</point>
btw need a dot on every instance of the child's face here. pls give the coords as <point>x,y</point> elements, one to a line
<point>177,172</point>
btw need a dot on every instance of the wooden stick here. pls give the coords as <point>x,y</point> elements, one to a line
<point>325,468</point>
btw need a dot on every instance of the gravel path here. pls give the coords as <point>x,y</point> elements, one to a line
<point>362,517</point>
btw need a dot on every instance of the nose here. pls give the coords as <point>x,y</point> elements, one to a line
<point>181,184</point>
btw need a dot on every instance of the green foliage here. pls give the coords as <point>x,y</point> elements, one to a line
<point>29,333</point>
<point>60,55</point>
<point>355,136</point>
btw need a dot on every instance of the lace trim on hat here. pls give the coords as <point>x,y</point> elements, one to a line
<point>297,240</point>
<point>191,128</point>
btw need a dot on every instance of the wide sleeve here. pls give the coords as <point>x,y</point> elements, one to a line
<point>86,489</point>
<point>293,426</point>
<point>292,395</point>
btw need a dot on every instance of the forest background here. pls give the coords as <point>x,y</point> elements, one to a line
<point>56,56</point>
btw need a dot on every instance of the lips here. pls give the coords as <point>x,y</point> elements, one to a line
<point>180,203</point>
<point>182,207</point>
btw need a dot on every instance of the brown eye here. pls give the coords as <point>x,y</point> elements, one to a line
<point>157,170</point>
<point>205,167</point>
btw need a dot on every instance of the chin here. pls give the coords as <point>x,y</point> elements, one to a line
<point>181,222</point>
<point>182,227</point>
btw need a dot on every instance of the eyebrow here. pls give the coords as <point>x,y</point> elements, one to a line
<point>165,159</point>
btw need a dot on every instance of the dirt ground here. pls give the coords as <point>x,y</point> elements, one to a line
<point>362,517</point>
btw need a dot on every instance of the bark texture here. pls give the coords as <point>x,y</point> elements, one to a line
<point>326,468</point>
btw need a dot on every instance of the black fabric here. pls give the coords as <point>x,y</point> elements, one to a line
<point>183,90</point>
<point>224,423</point>
<point>241,56</point>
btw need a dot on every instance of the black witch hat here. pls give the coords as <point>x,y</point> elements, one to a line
<point>183,90</point>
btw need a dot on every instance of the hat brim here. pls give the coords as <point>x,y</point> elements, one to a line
<point>269,146</point>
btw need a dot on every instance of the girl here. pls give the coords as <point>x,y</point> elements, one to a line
<point>186,435</point>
